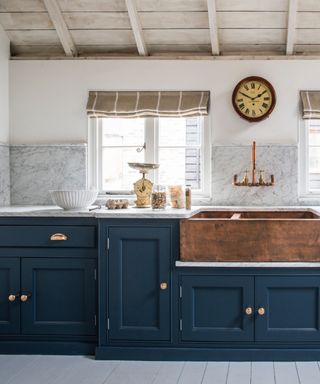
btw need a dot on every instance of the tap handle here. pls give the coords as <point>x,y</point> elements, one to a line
<point>261,179</point>
<point>246,178</point>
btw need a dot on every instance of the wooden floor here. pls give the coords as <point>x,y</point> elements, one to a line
<point>16,369</point>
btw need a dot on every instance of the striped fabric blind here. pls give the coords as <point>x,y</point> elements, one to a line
<point>310,104</point>
<point>148,104</point>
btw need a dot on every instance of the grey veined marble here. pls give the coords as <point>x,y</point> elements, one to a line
<point>4,175</point>
<point>282,161</point>
<point>36,169</point>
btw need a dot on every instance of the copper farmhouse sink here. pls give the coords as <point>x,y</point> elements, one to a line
<point>285,235</point>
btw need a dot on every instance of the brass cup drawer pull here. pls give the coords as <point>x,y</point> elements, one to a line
<point>13,298</point>
<point>58,237</point>
<point>248,311</point>
<point>24,298</point>
<point>163,286</point>
<point>261,311</point>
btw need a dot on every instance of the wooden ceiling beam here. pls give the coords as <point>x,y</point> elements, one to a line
<point>292,16</point>
<point>61,28</point>
<point>212,14</point>
<point>136,27</point>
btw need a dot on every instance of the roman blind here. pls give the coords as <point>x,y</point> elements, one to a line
<point>310,104</point>
<point>134,104</point>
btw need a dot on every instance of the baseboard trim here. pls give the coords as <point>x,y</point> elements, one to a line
<point>205,354</point>
<point>46,348</point>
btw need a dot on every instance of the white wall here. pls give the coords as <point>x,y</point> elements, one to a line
<point>48,98</point>
<point>4,86</point>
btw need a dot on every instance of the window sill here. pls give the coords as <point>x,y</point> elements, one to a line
<point>309,199</point>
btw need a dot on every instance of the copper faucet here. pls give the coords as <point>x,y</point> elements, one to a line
<point>253,183</point>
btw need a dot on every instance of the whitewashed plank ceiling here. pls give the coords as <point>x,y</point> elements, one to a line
<point>161,28</point>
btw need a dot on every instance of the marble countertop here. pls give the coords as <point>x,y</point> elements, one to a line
<point>139,213</point>
<point>54,211</point>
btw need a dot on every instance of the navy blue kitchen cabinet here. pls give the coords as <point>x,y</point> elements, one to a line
<point>290,308</point>
<point>48,285</point>
<point>139,283</point>
<point>9,295</point>
<point>213,308</point>
<point>61,296</point>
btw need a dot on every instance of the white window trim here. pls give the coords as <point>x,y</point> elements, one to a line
<point>95,153</point>
<point>305,194</point>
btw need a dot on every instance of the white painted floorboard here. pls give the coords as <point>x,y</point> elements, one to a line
<point>262,372</point>
<point>309,372</point>
<point>285,373</point>
<point>15,369</point>
<point>216,372</point>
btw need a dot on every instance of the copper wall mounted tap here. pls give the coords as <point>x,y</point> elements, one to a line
<point>253,183</point>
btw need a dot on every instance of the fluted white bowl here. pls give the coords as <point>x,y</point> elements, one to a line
<point>76,199</point>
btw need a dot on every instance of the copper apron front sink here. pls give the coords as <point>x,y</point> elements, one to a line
<point>251,236</point>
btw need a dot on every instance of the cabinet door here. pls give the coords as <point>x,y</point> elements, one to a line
<point>291,305</point>
<point>62,296</point>
<point>213,308</point>
<point>139,261</point>
<point>9,285</point>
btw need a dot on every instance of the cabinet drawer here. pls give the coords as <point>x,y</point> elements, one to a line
<point>47,236</point>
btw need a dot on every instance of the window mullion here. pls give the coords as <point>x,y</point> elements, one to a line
<point>99,154</point>
<point>156,148</point>
<point>149,140</point>
<point>92,175</point>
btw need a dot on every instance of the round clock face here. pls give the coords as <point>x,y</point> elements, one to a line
<point>254,98</point>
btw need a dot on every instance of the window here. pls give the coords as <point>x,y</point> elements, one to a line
<point>310,158</point>
<point>180,145</point>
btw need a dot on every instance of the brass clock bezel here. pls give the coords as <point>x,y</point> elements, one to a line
<point>267,84</point>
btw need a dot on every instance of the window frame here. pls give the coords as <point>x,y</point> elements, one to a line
<point>151,136</point>
<point>304,170</point>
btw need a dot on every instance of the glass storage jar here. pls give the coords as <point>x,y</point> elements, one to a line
<point>159,197</point>
<point>177,197</point>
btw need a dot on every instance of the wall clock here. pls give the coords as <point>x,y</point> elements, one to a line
<point>254,98</point>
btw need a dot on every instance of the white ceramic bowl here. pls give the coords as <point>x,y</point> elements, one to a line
<point>76,199</point>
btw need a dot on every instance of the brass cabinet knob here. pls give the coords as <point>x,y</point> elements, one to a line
<point>248,311</point>
<point>58,237</point>
<point>12,298</point>
<point>163,286</point>
<point>261,311</point>
<point>24,298</point>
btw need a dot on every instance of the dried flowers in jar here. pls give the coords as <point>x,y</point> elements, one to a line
<point>177,197</point>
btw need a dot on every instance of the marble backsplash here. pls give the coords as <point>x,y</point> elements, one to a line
<point>36,169</point>
<point>280,160</point>
<point>4,175</point>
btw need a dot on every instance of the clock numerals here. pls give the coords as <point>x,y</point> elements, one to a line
<point>241,106</point>
<point>253,113</point>
<point>265,105</point>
